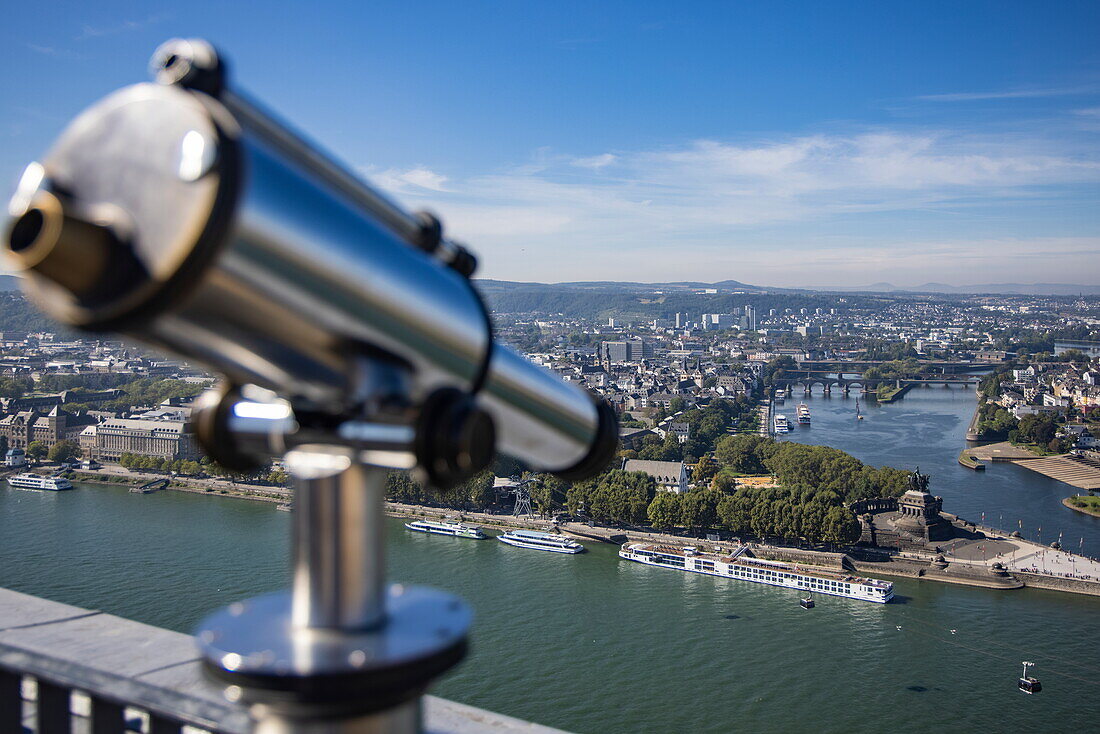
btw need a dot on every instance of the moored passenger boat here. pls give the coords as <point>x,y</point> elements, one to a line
<point>534,540</point>
<point>446,527</point>
<point>803,414</point>
<point>781,424</point>
<point>773,573</point>
<point>37,481</point>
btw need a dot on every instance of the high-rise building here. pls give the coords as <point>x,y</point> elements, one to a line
<point>629,350</point>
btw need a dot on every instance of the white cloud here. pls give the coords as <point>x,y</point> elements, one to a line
<point>1009,94</point>
<point>596,161</point>
<point>124,26</point>
<point>409,180</point>
<point>711,210</point>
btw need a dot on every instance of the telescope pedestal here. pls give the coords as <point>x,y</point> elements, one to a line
<point>340,652</point>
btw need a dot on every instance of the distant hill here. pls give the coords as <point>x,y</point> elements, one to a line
<point>1021,289</point>
<point>729,286</point>
<point>637,301</point>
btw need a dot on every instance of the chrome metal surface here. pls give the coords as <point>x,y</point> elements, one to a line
<point>262,424</point>
<point>540,419</point>
<point>267,260</point>
<point>304,277</point>
<point>258,637</point>
<point>339,543</point>
<point>406,718</point>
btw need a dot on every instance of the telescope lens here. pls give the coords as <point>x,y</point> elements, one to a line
<point>26,230</point>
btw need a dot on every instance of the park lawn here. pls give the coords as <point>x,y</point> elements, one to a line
<point>1084,503</point>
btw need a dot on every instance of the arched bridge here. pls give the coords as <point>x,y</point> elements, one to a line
<point>806,379</point>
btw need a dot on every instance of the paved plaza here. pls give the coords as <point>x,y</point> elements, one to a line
<point>1022,555</point>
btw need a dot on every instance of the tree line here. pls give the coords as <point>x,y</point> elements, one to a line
<point>809,502</point>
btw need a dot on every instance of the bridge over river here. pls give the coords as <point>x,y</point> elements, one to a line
<point>846,381</point>
<point>938,366</point>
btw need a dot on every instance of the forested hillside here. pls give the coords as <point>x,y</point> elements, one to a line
<point>19,314</point>
<point>631,301</point>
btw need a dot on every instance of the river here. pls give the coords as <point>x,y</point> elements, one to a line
<point>593,644</point>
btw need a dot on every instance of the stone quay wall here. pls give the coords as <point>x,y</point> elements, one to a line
<point>1058,583</point>
<point>823,559</point>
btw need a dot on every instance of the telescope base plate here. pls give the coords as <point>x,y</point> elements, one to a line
<point>253,648</point>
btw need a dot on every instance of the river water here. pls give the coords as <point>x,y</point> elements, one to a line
<point>590,643</point>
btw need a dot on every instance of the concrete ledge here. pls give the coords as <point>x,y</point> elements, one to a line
<point>159,671</point>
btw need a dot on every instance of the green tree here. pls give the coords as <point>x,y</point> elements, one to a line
<point>64,451</point>
<point>621,497</point>
<point>548,493</point>
<point>1038,429</point>
<point>15,387</point>
<point>705,470</point>
<point>477,491</point>
<point>841,526</point>
<point>774,369</point>
<point>735,513</point>
<point>37,450</point>
<point>741,453</point>
<point>699,509</point>
<point>664,510</point>
<point>576,497</point>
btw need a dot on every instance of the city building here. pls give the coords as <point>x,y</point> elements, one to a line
<point>671,476</point>
<point>1089,348</point>
<point>26,426</point>
<point>15,458</point>
<point>161,439</point>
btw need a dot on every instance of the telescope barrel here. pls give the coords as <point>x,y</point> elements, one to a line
<point>181,214</point>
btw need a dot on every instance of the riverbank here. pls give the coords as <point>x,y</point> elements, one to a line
<point>1092,504</point>
<point>1076,471</point>
<point>890,393</point>
<point>880,563</point>
<point>928,567</point>
<point>193,485</point>
<point>969,461</point>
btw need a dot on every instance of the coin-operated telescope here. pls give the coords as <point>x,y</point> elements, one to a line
<point>351,342</point>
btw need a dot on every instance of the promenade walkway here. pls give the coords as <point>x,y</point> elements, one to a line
<point>1076,471</point>
<point>1073,470</point>
<point>1003,451</point>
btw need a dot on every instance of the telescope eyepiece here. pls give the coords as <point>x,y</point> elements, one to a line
<point>191,63</point>
<point>85,257</point>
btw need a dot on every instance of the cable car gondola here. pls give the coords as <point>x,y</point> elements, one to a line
<point>1028,684</point>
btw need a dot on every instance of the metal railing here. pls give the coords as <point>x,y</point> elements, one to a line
<point>64,669</point>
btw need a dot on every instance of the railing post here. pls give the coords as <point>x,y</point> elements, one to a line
<point>107,717</point>
<point>11,701</point>
<point>54,709</point>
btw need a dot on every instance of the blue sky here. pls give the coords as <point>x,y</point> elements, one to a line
<point>794,144</point>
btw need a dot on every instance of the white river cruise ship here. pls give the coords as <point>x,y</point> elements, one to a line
<point>37,481</point>
<point>534,540</point>
<point>446,527</point>
<point>775,573</point>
